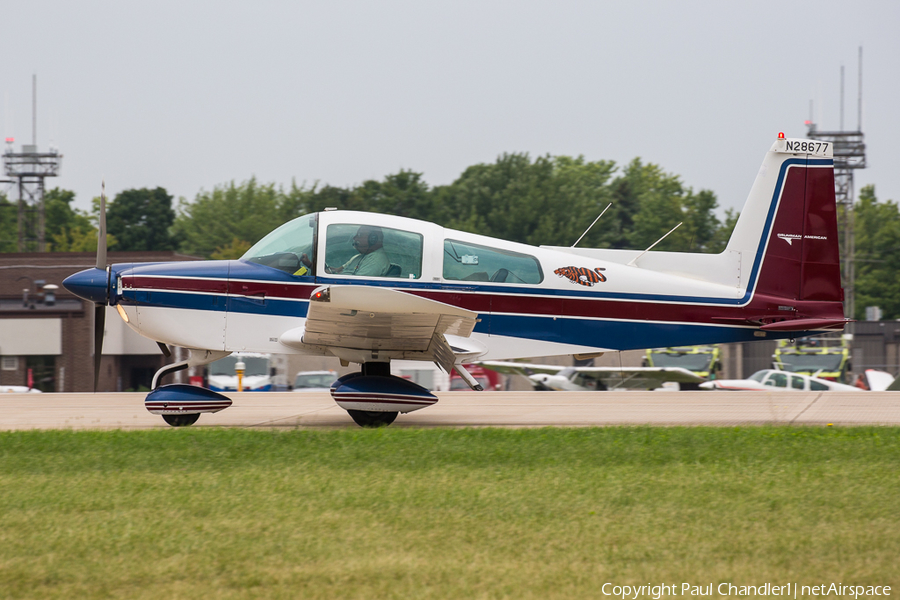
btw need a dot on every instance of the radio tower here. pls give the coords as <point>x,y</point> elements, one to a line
<point>28,169</point>
<point>849,155</point>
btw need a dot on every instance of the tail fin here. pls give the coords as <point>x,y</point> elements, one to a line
<point>789,225</point>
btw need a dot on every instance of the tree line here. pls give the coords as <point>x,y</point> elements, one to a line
<point>547,200</point>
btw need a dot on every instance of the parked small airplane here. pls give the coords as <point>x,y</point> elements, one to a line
<point>581,379</point>
<point>371,288</point>
<point>18,389</point>
<point>774,380</point>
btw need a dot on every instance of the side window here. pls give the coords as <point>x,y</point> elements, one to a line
<point>777,379</point>
<point>470,262</point>
<point>371,251</point>
<point>817,386</point>
<point>797,382</point>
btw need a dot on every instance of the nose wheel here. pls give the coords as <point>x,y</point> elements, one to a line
<point>369,418</point>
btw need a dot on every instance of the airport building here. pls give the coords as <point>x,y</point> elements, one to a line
<point>46,333</point>
<point>871,344</point>
<point>875,345</point>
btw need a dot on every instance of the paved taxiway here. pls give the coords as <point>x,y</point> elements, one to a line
<point>472,409</point>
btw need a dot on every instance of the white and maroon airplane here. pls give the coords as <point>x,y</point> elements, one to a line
<point>370,288</point>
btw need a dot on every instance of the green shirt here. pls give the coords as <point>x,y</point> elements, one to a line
<point>373,264</point>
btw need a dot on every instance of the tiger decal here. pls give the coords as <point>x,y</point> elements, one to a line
<point>582,275</point>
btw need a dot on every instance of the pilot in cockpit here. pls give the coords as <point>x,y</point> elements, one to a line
<point>371,260</point>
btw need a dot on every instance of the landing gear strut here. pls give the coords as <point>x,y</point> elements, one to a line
<point>377,369</point>
<point>179,404</point>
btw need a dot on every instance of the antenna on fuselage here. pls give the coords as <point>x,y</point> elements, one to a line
<point>592,224</point>
<point>634,260</point>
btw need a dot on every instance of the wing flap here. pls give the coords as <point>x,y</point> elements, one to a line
<point>442,353</point>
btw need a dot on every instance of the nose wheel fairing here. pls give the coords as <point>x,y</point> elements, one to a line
<point>380,393</point>
<point>182,399</point>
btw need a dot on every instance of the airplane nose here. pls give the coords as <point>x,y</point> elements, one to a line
<point>90,284</point>
<point>706,385</point>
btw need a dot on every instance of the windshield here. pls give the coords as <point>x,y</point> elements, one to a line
<point>285,247</point>
<point>811,362</point>
<point>254,365</point>
<point>691,362</point>
<point>759,375</point>
<point>314,380</point>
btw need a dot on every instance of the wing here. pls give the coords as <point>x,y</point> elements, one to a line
<point>638,378</point>
<point>364,323</point>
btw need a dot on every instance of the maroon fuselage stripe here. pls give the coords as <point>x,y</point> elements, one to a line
<point>220,286</point>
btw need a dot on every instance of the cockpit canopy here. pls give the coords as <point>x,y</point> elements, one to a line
<point>350,249</point>
<point>357,248</point>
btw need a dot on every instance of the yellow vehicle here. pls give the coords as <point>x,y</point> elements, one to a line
<point>703,361</point>
<point>822,357</point>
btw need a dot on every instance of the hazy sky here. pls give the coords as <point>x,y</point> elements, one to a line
<point>189,95</point>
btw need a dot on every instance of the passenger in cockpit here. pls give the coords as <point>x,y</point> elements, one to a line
<point>371,260</point>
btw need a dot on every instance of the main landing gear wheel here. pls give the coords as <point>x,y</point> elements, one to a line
<point>369,418</point>
<point>183,420</point>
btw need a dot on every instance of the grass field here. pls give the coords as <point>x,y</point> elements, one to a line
<point>443,513</point>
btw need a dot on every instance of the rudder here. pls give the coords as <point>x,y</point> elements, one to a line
<point>789,224</point>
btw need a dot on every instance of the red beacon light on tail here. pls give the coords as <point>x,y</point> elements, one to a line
<point>780,135</point>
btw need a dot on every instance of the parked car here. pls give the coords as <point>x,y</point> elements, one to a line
<point>314,381</point>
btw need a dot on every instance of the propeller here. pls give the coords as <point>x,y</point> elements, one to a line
<point>100,307</point>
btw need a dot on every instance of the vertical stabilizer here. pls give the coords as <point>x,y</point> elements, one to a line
<point>789,225</point>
